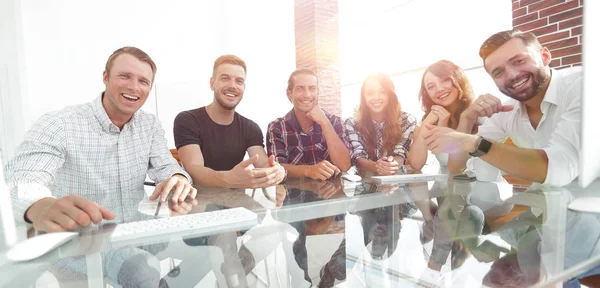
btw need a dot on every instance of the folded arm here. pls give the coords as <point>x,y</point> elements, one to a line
<point>336,144</point>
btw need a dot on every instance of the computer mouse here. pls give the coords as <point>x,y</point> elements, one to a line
<point>352,177</point>
<point>39,245</point>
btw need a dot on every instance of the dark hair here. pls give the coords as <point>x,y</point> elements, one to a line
<point>299,71</point>
<point>495,41</point>
<point>133,51</point>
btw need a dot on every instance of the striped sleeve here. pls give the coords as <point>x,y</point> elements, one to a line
<point>275,142</point>
<point>357,149</point>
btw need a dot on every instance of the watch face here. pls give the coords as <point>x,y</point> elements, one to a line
<point>483,147</point>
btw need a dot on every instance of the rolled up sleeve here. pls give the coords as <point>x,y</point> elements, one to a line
<point>563,152</point>
<point>162,164</point>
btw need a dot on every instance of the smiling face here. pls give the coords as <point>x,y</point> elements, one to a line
<point>128,84</point>
<point>228,84</point>
<point>520,71</point>
<point>376,97</point>
<point>304,93</point>
<point>440,90</point>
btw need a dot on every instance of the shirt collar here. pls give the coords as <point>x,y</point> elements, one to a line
<point>377,125</point>
<point>550,97</point>
<point>105,122</point>
<point>292,121</point>
<point>552,92</point>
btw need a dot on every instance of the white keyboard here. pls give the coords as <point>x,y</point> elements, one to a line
<point>198,224</point>
<point>409,178</point>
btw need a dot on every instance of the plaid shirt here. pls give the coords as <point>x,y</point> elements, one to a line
<point>359,143</point>
<point>290,145</point>
<point>78,150</point>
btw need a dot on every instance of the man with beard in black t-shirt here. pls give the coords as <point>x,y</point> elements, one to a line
<point>212,140</point>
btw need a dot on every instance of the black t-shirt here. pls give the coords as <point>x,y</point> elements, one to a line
<point>223,146</point>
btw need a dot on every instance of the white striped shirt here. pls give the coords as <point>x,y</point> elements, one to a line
<point>78,150</point>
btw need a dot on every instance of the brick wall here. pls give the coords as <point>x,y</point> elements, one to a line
<point>558,25</point>
<point>317,47</point>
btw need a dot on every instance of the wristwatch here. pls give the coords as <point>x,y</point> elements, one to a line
<point>483,147</point>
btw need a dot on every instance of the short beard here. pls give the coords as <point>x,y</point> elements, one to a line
<point>224,104</point>
<point>539,81</point>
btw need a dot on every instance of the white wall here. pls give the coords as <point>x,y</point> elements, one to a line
<point>589,154</point>
<point>12,78</point>
<point>261,33</point>
<point>67,42</point>
<point>402,38</point>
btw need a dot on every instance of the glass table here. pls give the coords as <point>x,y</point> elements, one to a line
<point>445,233</point>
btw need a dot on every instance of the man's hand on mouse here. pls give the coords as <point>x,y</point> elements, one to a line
<point>65,214</point>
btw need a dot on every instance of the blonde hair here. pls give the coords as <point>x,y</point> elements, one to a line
<point>228,59</point>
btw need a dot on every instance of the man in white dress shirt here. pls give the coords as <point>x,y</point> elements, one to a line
<point>542,118</point>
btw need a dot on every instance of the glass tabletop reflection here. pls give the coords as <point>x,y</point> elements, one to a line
<point>444,233</point>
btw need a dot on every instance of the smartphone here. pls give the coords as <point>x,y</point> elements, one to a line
<point>464,176</point>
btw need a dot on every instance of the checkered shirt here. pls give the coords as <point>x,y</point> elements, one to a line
<point>290,145</point>
<point>359,143</point>
<point>78,150</point>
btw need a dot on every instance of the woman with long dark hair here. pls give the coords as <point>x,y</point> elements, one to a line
<point>380,133</point>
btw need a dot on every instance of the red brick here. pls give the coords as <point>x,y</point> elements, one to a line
<point>580,39</point>
<point>317,47</point>
<point>515,5</point>
<point>562,43</point>
<point>566,15</point>
<point>571,59</point>
<point>566,51</point>
<point>577,31</point>
<point>545,30</point>
<point>524,3</point>
<point>519,12</point>
<point>525,19</point>
<point>554,37</point>
<point>559,8</point>
<point>543,5</point>
<point>571,23</point>
<point>533,25</point>
<point>555,62</point>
